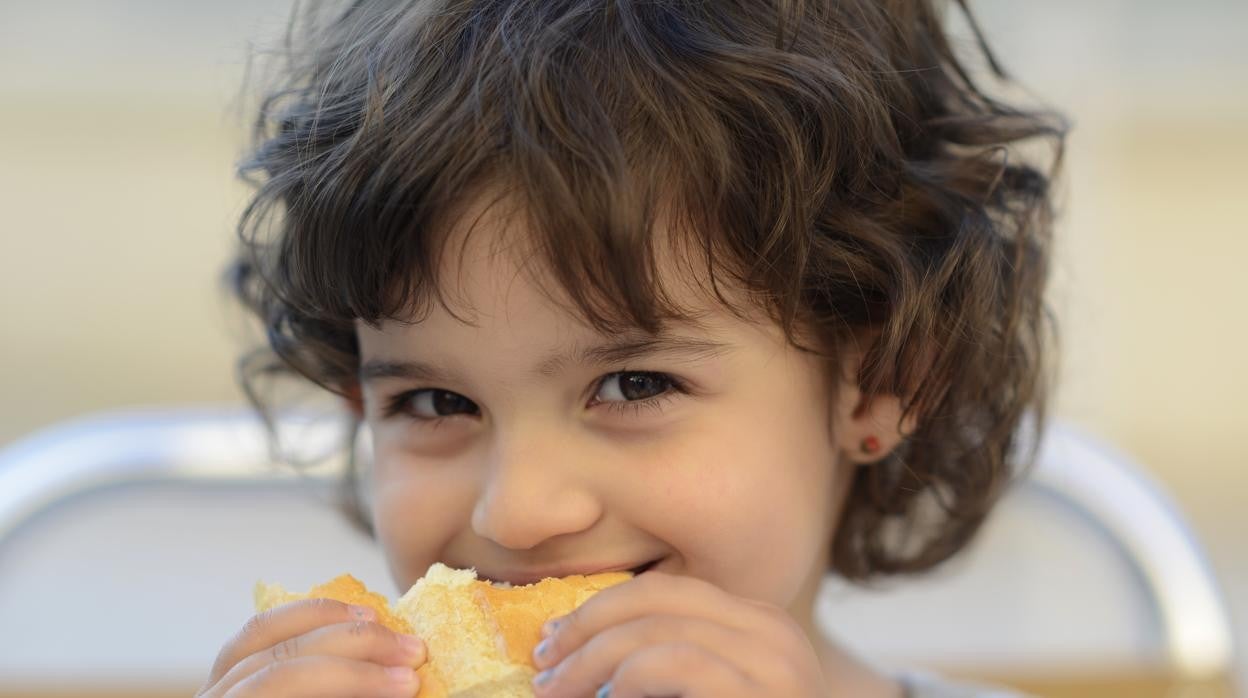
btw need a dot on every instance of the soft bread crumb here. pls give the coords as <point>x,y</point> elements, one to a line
<point>484,635</point>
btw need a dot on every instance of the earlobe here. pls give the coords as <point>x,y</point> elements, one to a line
<point>871,427</point>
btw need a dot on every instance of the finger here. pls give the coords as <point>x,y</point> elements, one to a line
<point>327,677</point>
<point>360,640</point>
<point>679,670</point>
<point>590,666</point>
<point>282,623</point>
<point>650,594</point>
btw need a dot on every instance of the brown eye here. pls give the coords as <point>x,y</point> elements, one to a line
<point>433,404</point>
<point>633,385</point>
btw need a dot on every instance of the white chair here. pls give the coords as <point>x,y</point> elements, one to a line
<point>1085,564</point>
<point>130,541</point>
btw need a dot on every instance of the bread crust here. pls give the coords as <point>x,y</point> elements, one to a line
<point>480,636</point>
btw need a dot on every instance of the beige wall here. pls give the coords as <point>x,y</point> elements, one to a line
<point>116,149</point>
<point>117,218</point>
<point>1155,311</point>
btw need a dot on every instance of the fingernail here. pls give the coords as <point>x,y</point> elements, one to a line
<point>550,626</point>
<point>363,613</point>
<point>543,678</point>
<point>604,690</point>
<point>401,674</point>
<point>412,646</point>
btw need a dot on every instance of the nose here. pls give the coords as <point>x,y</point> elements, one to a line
<point>536,487</point>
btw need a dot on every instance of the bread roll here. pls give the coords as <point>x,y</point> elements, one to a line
<point>480,636</point>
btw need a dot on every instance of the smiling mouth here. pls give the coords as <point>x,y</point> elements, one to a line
<point>646,567</point>
<point>635,571</point>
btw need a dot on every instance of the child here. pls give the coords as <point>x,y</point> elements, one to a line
<point>731,294</point>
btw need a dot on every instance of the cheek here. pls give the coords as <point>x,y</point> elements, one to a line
<point>417,509</point>
<point>749,505</point>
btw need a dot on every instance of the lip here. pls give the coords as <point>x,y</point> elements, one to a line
<point>521,578</point>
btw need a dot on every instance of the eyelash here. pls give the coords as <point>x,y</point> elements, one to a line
<point>676,387</point>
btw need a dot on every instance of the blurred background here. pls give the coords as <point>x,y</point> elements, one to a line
<point>118,135</point>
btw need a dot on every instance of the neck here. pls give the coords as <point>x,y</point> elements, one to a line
<point>844,674</point>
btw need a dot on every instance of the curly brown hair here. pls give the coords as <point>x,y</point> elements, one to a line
<point>838,160</point>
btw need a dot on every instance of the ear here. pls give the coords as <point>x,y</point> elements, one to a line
<point>868,428</point>
<point>353,399</point>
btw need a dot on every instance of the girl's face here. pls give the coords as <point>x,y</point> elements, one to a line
<point>527,445</point>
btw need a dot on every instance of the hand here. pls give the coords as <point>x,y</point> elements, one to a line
<point>666,635</point>
<point>312,648</point>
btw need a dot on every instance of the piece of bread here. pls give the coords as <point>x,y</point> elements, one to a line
<point>480,636</point>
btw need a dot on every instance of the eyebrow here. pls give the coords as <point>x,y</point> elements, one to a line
<point>623,350</point>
